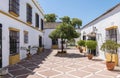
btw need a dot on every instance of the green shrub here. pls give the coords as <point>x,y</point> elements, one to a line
<point>81,42</point>
<point>91,44</point>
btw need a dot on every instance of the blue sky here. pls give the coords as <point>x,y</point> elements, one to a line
<point>86,10</point>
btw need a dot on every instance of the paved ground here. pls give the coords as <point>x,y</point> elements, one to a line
<point>71,65</point>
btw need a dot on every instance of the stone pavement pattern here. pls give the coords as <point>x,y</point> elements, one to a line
<point>49,64</point>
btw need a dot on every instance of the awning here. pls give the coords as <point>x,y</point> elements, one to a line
<point>112,27</point>
<point>92,34</point>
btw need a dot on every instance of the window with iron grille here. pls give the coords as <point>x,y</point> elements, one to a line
<point>14,42</point>
<point>55,42</point>
<point>37,20</point>
<point>111,34</point>
<point>25,37</point>
<point>41,24</point>
<point>14,6</point>
<point>29,13</point>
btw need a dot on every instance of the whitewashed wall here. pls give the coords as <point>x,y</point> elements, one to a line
<point>47,40</point>
<point>108,20</point>
<point>33,34</point>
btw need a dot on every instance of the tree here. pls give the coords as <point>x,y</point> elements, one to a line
<point>76,22</point>
<point>64,31</point>
<point>50,17</point>
<point>66,19</point>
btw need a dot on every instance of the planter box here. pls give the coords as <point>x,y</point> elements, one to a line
<point>114,59</point>
<point>54,46</point>
<point>13,59</point>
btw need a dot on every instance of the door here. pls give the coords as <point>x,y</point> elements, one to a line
<point>94,52</point>
<point>40,41</point>
<point>0,45</point>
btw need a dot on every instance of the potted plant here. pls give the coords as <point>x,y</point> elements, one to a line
<point>81,44</point>
<point>40,49</point>
<point>110,47</point>
<point>28,52</point>
<point>91,45</point>
<point>27,49</point>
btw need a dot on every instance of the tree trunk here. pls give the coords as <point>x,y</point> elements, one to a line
<point>62,45</point>
<point>111,57</point>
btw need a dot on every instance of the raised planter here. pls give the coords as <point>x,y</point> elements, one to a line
<point>13,59</point>
<point>54,46</point>
<point>114,58</point>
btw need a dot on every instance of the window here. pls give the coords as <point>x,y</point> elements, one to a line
<point>25,37</point>
<point>84,37</point>
<point>14,42</point>
<point>29,14</point>
<point>37,20</point>
<point>41,24</point>
<point>55,42</point>
<point>40,41</point>
<point>14,7</point>
<point>111,34</point>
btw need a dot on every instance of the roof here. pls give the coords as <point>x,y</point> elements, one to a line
<point>51,25</point>
<point>102,15</point>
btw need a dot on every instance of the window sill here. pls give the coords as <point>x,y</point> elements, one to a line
<point>14,54</point>
<point>13,13</point>
<point>29,22</point>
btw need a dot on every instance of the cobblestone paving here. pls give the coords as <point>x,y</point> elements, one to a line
<point>49,64</point>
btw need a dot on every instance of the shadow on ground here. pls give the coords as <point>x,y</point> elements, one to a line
<point>69,55</point>
<point>97,60</point>
<point>26,67</point>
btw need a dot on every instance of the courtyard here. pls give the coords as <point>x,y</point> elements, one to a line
<point>49,64</point>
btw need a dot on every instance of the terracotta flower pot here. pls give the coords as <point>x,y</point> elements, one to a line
<point>80,49</point>
<point>90,56</point>
<point>110,65</point>
<point>29,56</point>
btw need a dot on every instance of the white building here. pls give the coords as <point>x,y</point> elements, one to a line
<point>105,26</point>
<point>48,42</point>
<point>21,24</point>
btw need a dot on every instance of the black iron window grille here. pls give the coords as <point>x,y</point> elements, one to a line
<point>14,6</point>
<point>29,13</point>
<point>37,20</point>
<point>14,42</point>
<point>55,42</point>
<point>42,24</point>
<point>25,37</point>
<point>111,34</point>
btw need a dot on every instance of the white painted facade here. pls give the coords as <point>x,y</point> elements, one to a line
<point>10,21</point>
<point>108,19</point>
<point>48,41</point>
<point>48,28</point>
